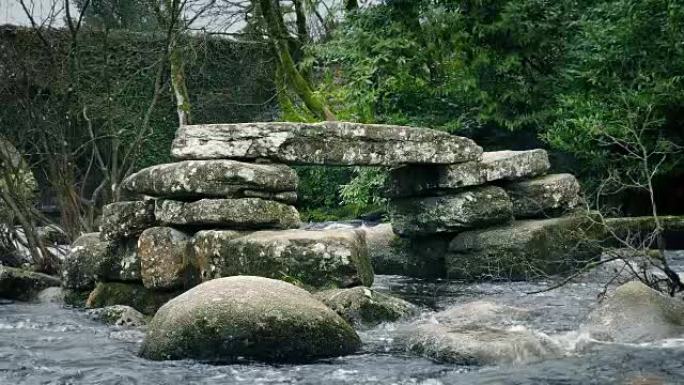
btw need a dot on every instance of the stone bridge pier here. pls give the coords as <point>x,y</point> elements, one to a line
<point>226,207</point>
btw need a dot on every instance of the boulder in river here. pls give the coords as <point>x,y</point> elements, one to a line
<point>85,262</point>
<point>635,313</point>
<point>524,249</point>
<point>461,211</point>
<point>249,317</point>
<point>122,220</point>
<point>216,178</point>
<point>477,333</point>
<point>325,143</point>
<point>544,197</point>
<point>23,285</point>
<point>243,213</point>
<point>415,180</point>
<point>134,295</point>
<point>118,315</point>
<point>164,258</point>
<point>363,306</point>
<point>327,258</point>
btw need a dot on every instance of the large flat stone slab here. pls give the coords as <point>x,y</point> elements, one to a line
<point>326,143</point>
<point>499,165</point>
<point>121,220</point>
<point>474,208</point>
<point>524,249</point>
<point>215,178</point>
<point>328,258</point>
<point>544,197</point>
<point>244,213</point>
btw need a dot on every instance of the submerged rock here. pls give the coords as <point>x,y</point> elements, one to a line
<point>164,258</point>
<point>635,313</point>
<point>250,317</point>
<point>23,285</point>
<point>118,315</point>
<point>477,207</point>
<point>325,143</point>
<point>216,178</point>
<point>477,333</point>
<point>54,295</point>
<point>523,249</point>
<point>543,197</point>
<point>363,306</point>
<point>122,220</point>
<point>134,295</point>
<point>416,257</point>
<point>328,258</point>
<point>499,165</point>
<point>243,214</point>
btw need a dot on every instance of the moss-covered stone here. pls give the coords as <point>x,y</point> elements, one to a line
<point>524,249</point>
<point>251,317</point>
<point>85,262</point>
<point>242,214</point>
<point>329,258</point>
<point>118,315</point>
<point>122,220</point>
<point>23,285</point>
<point>469,209</point>
<point>165,256</point>
<point>134,295</point>
<point>544,197</point>
<point>216,178</point>
<point>363,306</point>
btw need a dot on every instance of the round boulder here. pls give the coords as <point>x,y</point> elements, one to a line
<point>363,306</point>
<point>247,317</point>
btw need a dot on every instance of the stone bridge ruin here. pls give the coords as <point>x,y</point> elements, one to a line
<point>226,207</point>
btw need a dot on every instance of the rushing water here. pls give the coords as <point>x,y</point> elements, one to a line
<point>46,344</point>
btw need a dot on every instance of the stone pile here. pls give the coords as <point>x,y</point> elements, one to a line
<point>499,216</point>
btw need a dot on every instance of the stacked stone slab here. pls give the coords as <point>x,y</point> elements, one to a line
<point>489,217</point>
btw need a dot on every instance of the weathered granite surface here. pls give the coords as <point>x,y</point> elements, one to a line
<point>243,213</point>
<point>164,258</point>
<point>361,306</point>
<point>524,249</point>
<point>23,285</point>
<point>499,165</point>
<point>544,197</point>
<point>328,258</point>
<point>122,220</point>
<point>326,143</point>
<point>468,209</point>
<point>216,178</point>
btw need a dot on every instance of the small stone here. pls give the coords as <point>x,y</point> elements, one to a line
<point>164,258</point>
<point>216,179</point>
<point>499,165</point>
<point>363,306</point>
<point>23,285</point>
<point>250,317</point>
<point>122,220</point>
<point>118,315</point>
<point>524,249</point>
<point>134,295</point>
<point>325,143</point>
<point>469,209</point>
<point>329,258</point>
<point>241,214</point>
<point>544,197</point>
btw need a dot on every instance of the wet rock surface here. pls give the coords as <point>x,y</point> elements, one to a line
<point>118,315</point>
<point>473,208</point>
<point>543,197</point>
<point>524,249</point>
<point>328,258</point>
<point>23,285</point>
<point>216,178</point>
<point>243,214</point>
<point>362,306</point>
<point>477,333</point>
<point>122,220</point>
<point>325,143</point>
<point>499,165</point>
<point>250,317</point>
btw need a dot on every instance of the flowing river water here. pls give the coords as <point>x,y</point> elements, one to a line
<point>48,344</point>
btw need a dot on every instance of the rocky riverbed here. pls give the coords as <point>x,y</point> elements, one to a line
<point>48,344</point>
